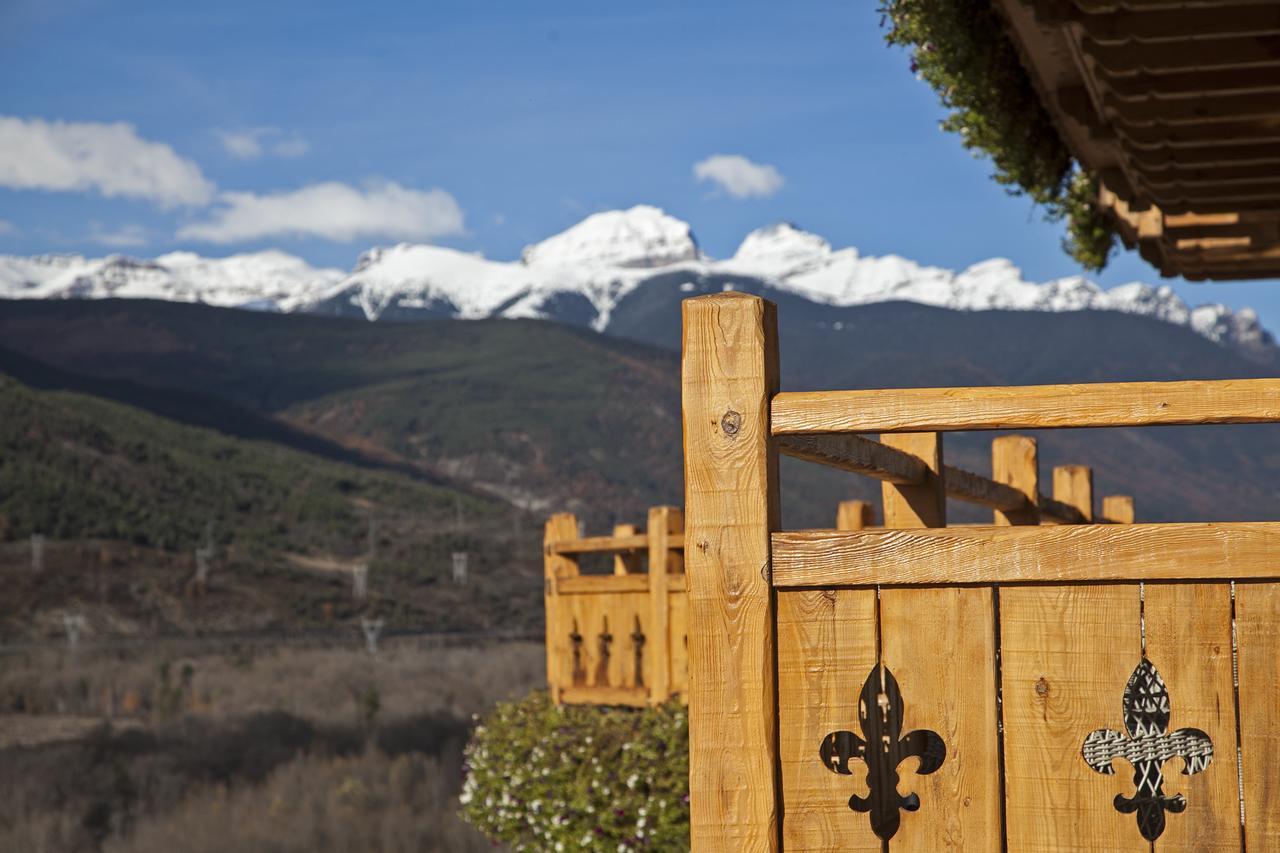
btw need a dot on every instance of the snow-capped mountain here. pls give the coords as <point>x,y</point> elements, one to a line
<point>583,274</point>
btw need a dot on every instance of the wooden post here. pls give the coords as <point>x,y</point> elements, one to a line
<point>625,562</point>
<point>560,527</point>
<point>729,374</point>
<point>1073,485</point>
<point>1015,462</point>
<point>922,505</point>
<point>1118,508</point>
<point>855,515</point>
<point>663,521</point>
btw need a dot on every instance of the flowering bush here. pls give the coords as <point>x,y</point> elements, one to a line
<point>579,777</point>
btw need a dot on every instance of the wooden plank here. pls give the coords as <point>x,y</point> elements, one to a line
<point>826,648</point>
<point>922,504</point>
<point>940,645</point>
<point>663,521</point>
<point>1073,486</point>
<point>977,489</point>
<point>855,515</point>
<point>729,373</point>
<point>1060,554</point>
<point>1118,509</point>
<point>1066,656</point>
<point>678,642</point>
<point>1189,640</point>
<point>1056,512</point>
<point>1110,404</point>
<point>1257,618</point>
<point>595,584</point>
<point>630,696</point>
<point>1015,462</point>
<point>856,454</point>
<point>626,562</point>
<point>596,544</point>
<point>556,569</point>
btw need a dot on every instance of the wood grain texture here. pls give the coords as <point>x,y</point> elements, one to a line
<point>1073,486</point>
<point>1189,641</point>
<point>1066,656</point>
<point>1112,404</point>
<point>729,372</point>
<point>1012,555</point>
<point>855,454</point>
<point>556,567</point>
<point>634,697</point>
<point>976,489</point>
<point>826,648</point>
<point>855,515</point>
<point>1118,509</point>
<point>1015,462</point>
<point>678,642</point>
<point>663,521</point>
<point>940,645</point>
<point>595,544</point>
<point>922,504</point>
<point>591,584</point>
<point>1258,636</point>
<point>613,627</point>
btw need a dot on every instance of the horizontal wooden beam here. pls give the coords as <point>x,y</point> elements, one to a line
<point>609,584</point>
<point>604,695</point>
<point>977,489</point>
<point>1222,81</point>
<point>594,544</point>
<point>1186,55</point>
<point>1057,512</point>
<point>1160,23</point>
<point>1018,555</point>
<point>856,454</point>
<point>1107,404</point>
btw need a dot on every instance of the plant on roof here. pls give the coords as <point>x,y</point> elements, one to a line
<point>961,49</point>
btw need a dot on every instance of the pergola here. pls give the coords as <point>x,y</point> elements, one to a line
<point>1175,106</point>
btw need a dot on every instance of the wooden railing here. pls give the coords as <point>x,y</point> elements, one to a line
<point>617,639</point>
<point>1039,675</point>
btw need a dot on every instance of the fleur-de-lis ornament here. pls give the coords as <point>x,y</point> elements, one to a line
<point>1147,747</point>
<point>883,749</point>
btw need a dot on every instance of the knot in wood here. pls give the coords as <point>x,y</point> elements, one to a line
<point>731,423</point>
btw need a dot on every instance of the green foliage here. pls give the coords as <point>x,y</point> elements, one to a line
<point>541,777</point>
<point>961,49</point>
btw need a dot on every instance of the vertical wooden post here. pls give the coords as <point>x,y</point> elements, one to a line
<point>1015,462</point>
<point>922,505</point>
<point>625,562</point>
<point>1118,508</point>
<point>663,521</point>
<point>729,374</point>
<point>560,527</point>
<point>855,515</point>
<point>1073,485</point>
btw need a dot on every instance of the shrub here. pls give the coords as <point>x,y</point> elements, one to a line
<point>541,777</point>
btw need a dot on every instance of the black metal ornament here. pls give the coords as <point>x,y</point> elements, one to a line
<point>883,749</point>
<point>1147,747</point>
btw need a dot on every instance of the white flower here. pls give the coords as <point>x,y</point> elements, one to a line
<point>632,779</point>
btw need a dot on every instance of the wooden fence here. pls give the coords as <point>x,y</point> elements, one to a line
<point>617,639</point>
<point>1047,680</point>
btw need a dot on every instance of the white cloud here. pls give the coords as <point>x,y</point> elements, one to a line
<point>252,142</point>
<point>332,211</point>
<point>108,158</point>
<point>123,236</point>
<point>738,176</point>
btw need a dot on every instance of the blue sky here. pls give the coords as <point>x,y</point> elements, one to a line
<point>487,126</point>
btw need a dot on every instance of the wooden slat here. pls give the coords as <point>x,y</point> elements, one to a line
<point>1012,555</point>
<point>557,569</point>
<point>977,489</point>
<point>626,562</point>
<point>1028,407</point>
<point>920,504</point>
<point>599,584</point>
<point>729,373</point>
<point>855,515</point>
<point>1118,509</point>
<point>1257,618</point>
<point>663,521</point>
<point>1015,462</point>
<point>857,454</point>
<point>596,544</point>
<point>678,640</point>
<point>1066,655</point>
<point>1189,641</point>
<point>1073,486</point>
<point>826,648</point>
<point>632,696</point>
<point>952,692</point>
<point>1056,512</point>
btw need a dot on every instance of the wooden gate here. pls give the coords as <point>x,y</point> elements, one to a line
<point>1020,686</point>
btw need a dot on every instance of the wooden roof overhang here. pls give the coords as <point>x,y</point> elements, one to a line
<point>1175,106</point>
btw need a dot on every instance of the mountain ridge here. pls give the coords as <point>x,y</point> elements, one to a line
<point>582,274</point>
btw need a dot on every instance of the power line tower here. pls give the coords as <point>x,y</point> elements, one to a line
<point>460,560</point>
<point>371,628</point>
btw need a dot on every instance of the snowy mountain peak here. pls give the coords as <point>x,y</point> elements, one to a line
<point>783,249</point>
<point>642,237</point>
